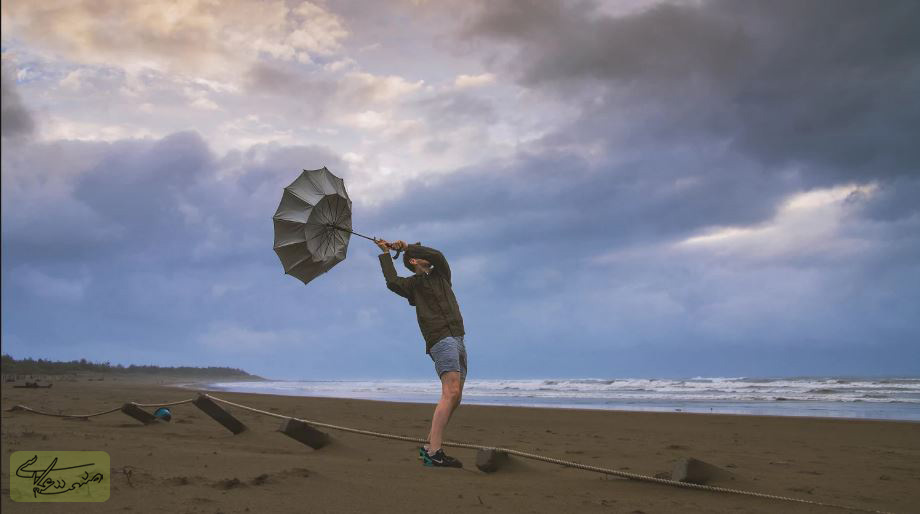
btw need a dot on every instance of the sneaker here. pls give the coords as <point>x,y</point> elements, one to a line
<point>440,460</point>
<point>422,451</point>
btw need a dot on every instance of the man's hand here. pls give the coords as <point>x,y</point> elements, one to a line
<point>383,245</point>
<point>400,245</point>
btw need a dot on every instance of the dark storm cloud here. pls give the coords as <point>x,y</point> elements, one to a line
<point>16,119</point>
<point>144,201</point>
<point>111,200</point>
<point>135,182</point>
<point>150,250</point>
<point>262,169</point>
<point>827,84</point>
<point>523,236</point>
<point>546,198</point>
<point>563,42</point>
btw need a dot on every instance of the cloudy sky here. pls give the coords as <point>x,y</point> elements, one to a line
<point>623,189</point>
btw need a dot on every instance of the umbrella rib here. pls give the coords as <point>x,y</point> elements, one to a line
<point>327,213</point>
<point>329,241</point>
<point>333,210</point>
<point>321,213</point>
<point>346,210</point>
<point>312,182</point>
<point>298,263</point>
<point>317,186</point>
<point>322,244</point>
<point>297,196</point>
<point>338,237</point>
<point>317,235</point>
<point>342,237</point>
<point>344,205</point>
<point>338,209</point>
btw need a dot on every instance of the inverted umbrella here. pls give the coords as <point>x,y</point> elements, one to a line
<point>313,224</point>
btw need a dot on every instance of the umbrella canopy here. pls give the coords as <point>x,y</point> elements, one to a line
<point>312,224</point>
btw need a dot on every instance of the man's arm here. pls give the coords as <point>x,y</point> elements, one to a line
<point>395,283</point>
<point>431,255</point>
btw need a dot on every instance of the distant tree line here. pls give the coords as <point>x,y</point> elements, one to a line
<point>11,366</point>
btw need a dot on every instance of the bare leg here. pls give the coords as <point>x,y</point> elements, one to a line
<point>459,398</point>
<point>451,391</point>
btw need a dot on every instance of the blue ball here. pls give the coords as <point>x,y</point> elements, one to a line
<point>163,413</point>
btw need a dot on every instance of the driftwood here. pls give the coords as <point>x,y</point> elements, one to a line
<point>139,414</point>
<point>33,385</point>
<point>304,433</point>
<point>219,415</point>
<point>491,460</point>
<point>695,471</point>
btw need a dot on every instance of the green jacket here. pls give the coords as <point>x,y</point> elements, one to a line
<point>432,295</point>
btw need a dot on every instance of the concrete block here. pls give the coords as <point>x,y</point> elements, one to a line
<point>491,460</point>
<point>304,433</point>
<point>219,415</point>
<point>695,471</point>
<point>138,413</point>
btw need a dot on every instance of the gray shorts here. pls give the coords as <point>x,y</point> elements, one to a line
<point>449,354</point>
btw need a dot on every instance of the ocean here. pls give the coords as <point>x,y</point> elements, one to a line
<point>837,397</point>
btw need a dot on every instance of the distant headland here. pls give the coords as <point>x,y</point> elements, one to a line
<point>29,366</point>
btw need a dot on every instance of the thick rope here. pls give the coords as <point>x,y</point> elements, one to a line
<point>533,456</point>
<point>84,416</point>
<point>170,404</point>
<point>29,409</point>
<point>509,451</point>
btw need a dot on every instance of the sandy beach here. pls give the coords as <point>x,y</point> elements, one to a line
<point>194,465</point>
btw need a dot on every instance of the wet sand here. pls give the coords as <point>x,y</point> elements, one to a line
<point>194,465</point>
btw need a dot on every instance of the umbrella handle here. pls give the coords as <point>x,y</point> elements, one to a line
<point>374,239</point>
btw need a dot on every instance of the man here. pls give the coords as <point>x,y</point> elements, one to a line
<point>429,291</point>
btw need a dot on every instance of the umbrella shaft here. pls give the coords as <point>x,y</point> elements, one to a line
<point>352,232</point>
<point>362,235</point>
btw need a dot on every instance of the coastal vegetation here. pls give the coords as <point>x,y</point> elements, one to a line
<point>29,366</point>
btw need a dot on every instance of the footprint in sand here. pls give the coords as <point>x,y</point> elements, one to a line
<point>229,483</point>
